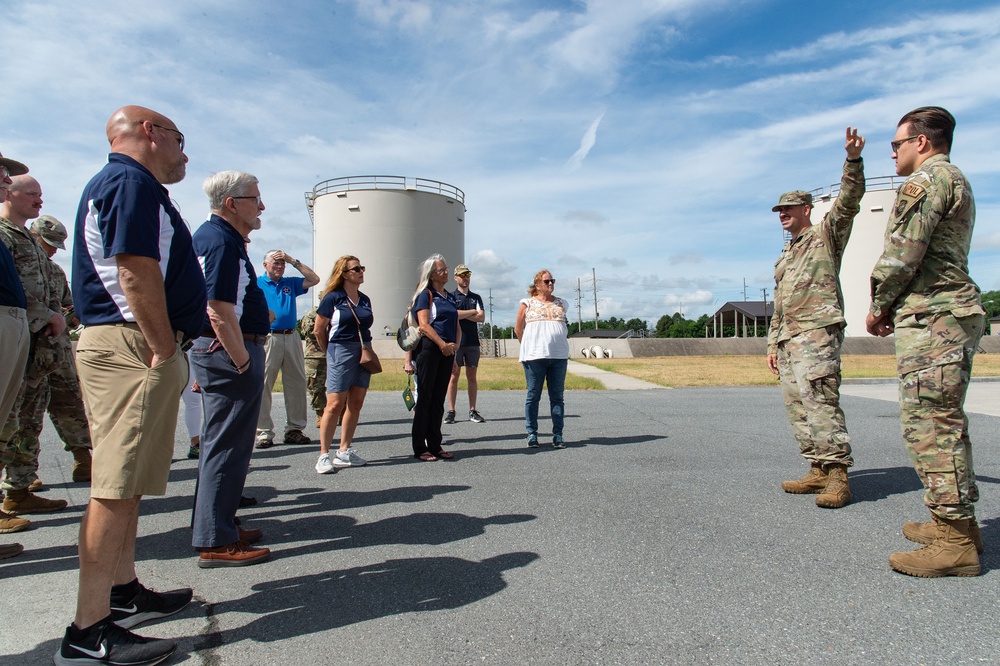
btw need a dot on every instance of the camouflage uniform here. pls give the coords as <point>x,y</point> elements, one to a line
<point>19,438</point>
<point>315,365</point>
<point>65,401</point>
<point>807,328</point>
<point>922,279</point>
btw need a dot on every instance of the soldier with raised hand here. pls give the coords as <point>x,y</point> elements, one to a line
<point>315,366</point>
<point>922,290</point>
<point>63,399</point>
<point>807,330</point>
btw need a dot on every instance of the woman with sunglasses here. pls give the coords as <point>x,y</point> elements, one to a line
<point>542,330</point>
<point>437,318</point>
<point>343,325</point>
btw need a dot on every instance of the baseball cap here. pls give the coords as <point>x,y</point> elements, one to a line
<point>462,268</point>
<point>794,198</point>
<point>50,230</point>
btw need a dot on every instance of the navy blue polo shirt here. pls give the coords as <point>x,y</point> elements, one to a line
<point>229,275</point>
<point>124,210</point>
<point>470,330</point>
<point>343,328</point>
<point>11,290</point>
<point>443,314</point>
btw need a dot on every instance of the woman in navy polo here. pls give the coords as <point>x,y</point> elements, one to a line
<point>438,322</point>
<point>343,325</point>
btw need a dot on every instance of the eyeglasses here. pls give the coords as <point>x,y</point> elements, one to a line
<point>356,269</point>
<point>180,137</point>
<point>463,275</point>
<point>896,144</point>
<point>256,198</point>
<point>441,270</point>
<point>548,282</point>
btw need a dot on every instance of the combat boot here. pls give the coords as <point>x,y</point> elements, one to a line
<point>925,532</point>
<point>838,490</point>
<point>814,481</point>
<point>951,553</point>
<point>82,462</point>
<point>9,523</point>
<point>23,501</point>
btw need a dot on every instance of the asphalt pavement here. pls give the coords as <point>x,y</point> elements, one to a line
<point>660,536</point>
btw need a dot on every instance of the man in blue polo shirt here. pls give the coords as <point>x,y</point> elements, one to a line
<point>139,291</point>
<point>14,336</point>
<point>283,350</point>
<point>228,363</point>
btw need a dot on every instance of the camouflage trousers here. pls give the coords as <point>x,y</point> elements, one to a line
<point>934,355</point>
<point>65,407</point>
<point>809,368</point>
<point>316,383</point>
<point>20,447</point>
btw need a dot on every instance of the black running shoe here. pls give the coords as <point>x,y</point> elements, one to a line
<point>146,605</point>
<point>450,416</point>
<point>107,643</point>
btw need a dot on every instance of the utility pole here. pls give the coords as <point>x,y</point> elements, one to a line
<point>764,291</point>
<point>579,306</point>
<point>597,325</point>
<point>744,290</point>
<point>492,346</point>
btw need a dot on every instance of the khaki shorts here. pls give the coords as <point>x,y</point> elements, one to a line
<point>132,410</point>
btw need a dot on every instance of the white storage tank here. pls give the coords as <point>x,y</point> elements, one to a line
<point>391,223</point>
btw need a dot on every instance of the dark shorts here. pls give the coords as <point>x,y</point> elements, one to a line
<point>467,356</point>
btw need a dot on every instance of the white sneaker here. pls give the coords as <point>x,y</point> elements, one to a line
<point>324,466</point>
<point>348,458</point>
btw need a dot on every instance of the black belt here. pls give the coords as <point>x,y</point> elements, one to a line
<point>249,337</point>
<point>283,331</point>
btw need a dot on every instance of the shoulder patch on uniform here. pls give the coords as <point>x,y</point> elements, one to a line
<point>912,190</point>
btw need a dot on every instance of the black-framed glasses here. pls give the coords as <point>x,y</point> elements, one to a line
<point>180,136</point>
<point>356,269</point>
<point>896,144</point>
<point>548,282</point>
<point>441,270</point>
<point>256,198</point>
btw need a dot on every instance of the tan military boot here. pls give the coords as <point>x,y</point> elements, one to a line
<point>925,532</point>
<point>951,553</point>
<point>81,464</point>
<point>23,501</point>
<point>36,486</point>
<point>838,491</point>
<point>813,482</point>
<point>9,523</point>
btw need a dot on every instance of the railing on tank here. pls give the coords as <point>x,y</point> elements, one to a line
<point>349,183</point>
<point>871,184</point>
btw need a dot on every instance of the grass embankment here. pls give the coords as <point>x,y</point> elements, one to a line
<point>752,370</point>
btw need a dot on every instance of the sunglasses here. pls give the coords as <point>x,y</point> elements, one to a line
<point>548,282</point>
<point>356,269</point>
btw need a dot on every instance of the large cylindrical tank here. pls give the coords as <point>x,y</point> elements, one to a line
<point>864,247</point>
<point>391,223</point>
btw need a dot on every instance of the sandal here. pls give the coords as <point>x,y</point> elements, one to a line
<point>427,456</point>
<point>445,454</point>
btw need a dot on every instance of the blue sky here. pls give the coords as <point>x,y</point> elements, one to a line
<point>645,139</point>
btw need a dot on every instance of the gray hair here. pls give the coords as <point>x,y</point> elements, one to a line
<point>225,184</point>
<point>424,275</point>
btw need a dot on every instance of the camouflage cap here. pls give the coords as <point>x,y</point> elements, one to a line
<point>462,268</point>
<point>794,198</point>
<point>13,166</point>
<point>50,230</point>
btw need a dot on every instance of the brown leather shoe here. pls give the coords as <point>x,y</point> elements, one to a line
<point>236,554</point>
<point>22,501</point>
<point>250,536</point>
<point>296,437</point>
<point>10,550</point>
<point>9,523</point>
